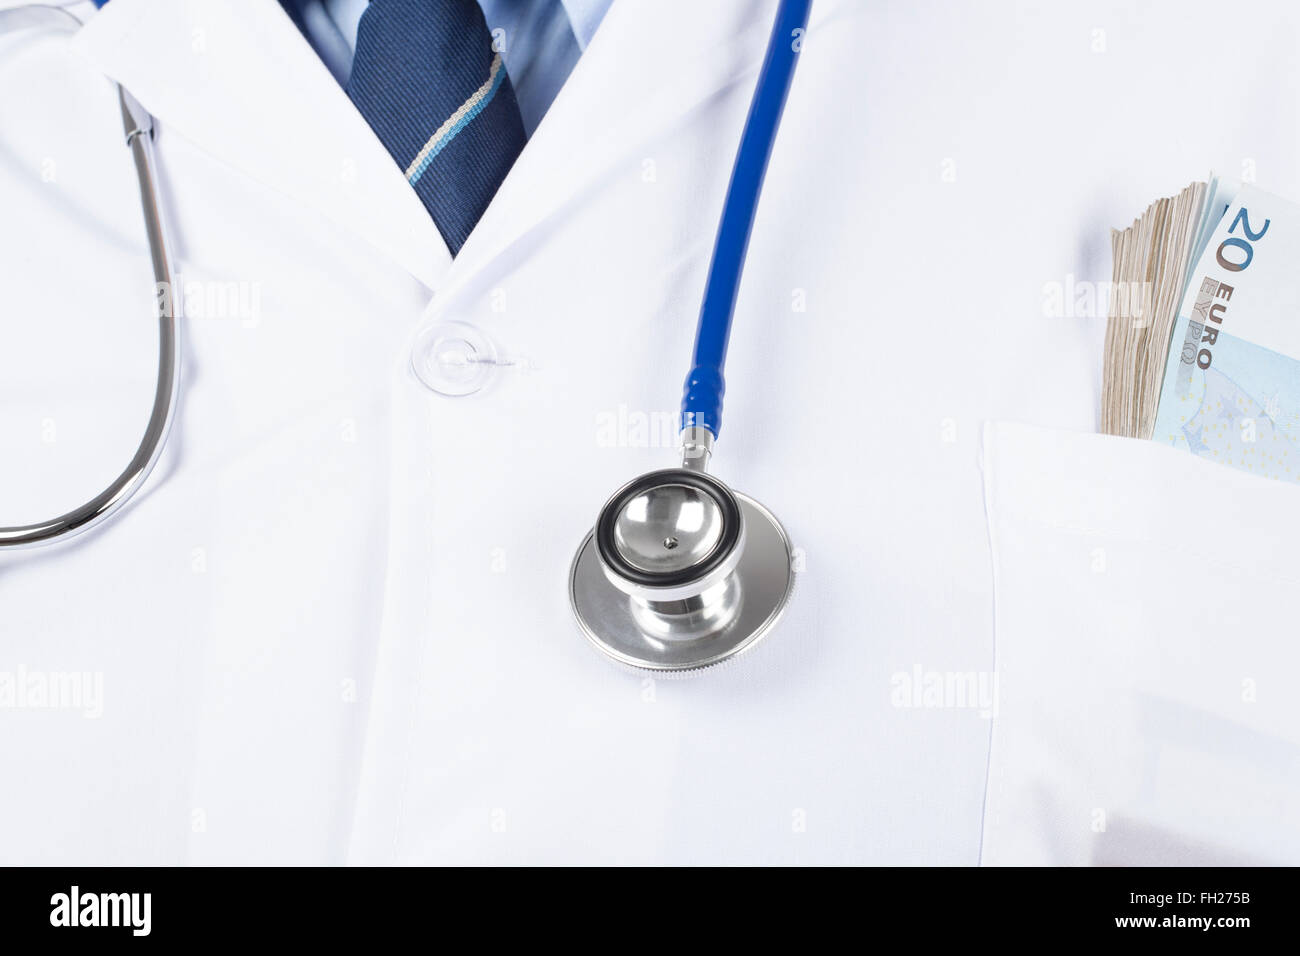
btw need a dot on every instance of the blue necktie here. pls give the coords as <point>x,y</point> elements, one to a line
<point>428,82</point>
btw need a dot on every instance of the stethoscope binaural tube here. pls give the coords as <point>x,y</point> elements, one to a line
<point>138,127</point>
<point>681,572</point>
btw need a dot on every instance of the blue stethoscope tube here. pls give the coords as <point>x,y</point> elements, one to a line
<point>705,385</point>
<point>681,572</point>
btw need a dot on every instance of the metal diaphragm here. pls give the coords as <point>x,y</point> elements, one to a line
<point>680,573</point>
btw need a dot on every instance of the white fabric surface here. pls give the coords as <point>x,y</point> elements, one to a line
<point>228,606</point>
<point>335,626</point>
<point>1145,653</point>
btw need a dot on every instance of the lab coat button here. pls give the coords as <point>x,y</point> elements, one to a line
<point>454,358</point>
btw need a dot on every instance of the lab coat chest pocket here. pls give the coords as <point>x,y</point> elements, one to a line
<point>1146,645</point>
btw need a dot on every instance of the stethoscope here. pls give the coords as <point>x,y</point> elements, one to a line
<point>138,126</point>
<point>680,571</point>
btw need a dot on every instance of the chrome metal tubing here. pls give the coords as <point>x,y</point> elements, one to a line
<point>138,126</point>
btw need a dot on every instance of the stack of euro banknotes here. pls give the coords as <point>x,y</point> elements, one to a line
<point>1203,336</point>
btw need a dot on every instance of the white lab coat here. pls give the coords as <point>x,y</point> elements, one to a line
<point>335,627</point>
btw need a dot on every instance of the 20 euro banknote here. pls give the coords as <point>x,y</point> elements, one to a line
<point>1231,390</point>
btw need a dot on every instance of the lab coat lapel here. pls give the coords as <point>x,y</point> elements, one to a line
<point>236,78</point>
<point>649,66</point>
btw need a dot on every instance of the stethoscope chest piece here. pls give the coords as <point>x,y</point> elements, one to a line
<point>680,573</point>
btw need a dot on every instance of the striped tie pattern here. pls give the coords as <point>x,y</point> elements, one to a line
<point>427,80</point>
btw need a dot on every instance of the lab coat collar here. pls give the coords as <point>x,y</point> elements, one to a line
<point>648,67</point>
<point>236,78</point>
